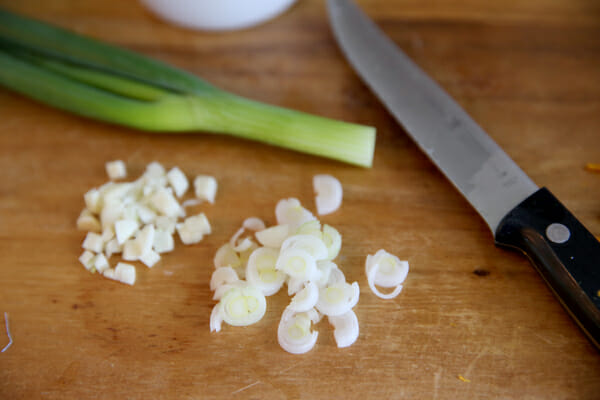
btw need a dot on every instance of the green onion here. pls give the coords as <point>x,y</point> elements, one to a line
<point>108,83</point>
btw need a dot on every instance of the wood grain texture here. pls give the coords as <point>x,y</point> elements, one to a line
<point>526,70</point>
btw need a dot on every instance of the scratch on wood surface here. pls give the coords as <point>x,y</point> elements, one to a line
<point>436,383</point>
<point>10,340</point>
<point>245,387</point>
<point>472,363</point>
<point>283,371</point>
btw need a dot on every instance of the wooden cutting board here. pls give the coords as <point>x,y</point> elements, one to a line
<point>473,321</point>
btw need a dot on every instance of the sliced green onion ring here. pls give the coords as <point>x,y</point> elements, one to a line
<point>335,276</point>
<point>337,299</point>
<point>227,256</point>
<point>345,328</point>
<point>273,236</point>
<point>216,318</point>
<point>333,241</point>
<point>222,276</point>
<point>305,299</point>
<point>290,212</point>
<point>254,224</point>
<point>391,271</point>
<point>310,228</point>
<point>221,290</point>
<point>325,267</point>
<point>294,285</point>
<point>297,263</point>
<point>328,193</point>
<point>309,243</point>
<point>294,331</point>
<point>371,273</point>
<point>243,306</point>
<point>261,272</point>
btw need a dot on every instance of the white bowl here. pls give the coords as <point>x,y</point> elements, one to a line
<point>217,14</point>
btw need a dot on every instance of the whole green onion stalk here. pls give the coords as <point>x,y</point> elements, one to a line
<point>97,80</point>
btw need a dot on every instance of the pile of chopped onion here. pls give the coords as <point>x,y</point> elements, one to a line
<point>138,219</point>
<point>297,252</point>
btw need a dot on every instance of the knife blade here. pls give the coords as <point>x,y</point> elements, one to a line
<point>520,215</point>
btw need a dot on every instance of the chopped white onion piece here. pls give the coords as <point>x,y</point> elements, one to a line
<point>305,299</point>
<point>93,242</point>
<point>222,276</point>
<point>243,306</point>
<point>112,247</point>
<point>254,224</point>
<point>193,229</point>
<point>290,212</point>
<point>332,240</point>
<point>205,188</point>
<point>165,223</point>
<point>391,271</point>
<point>88,222</point>
<point>116,169</point>
<point>294,334</point>
<point>297,263</point>
<point>145,239</point>
<point>163,201</point>
<point>130,211</point>
<point>131,250</point>
<point>110,213</point>
<point>329,193</point>
<point>178,181</point>
<point>154,170</point>
<point>116,192</point>
<point>261,272</point>
<point>163,241</point>
<point>309,243</point>
<point>101,263</point>
<point>345,328</point>
<point>92,200</point>
<point>125,229</point>
<point>337,299</point>
<point>191,203</point>
<point>227,256</point>
<point>87,259</point>
<point>371,273</point>
<point>145,214</point>
<point>123,272</point>
<point>108,234</point>
<point>150,258</point>
<point>216,318</point>
<point>273,236</point>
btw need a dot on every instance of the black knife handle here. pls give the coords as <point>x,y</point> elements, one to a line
<point>563,251</point>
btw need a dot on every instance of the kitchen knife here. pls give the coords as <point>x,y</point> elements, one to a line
<point>519,214</point>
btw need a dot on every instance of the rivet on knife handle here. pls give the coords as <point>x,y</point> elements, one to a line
<point>563,251</point>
